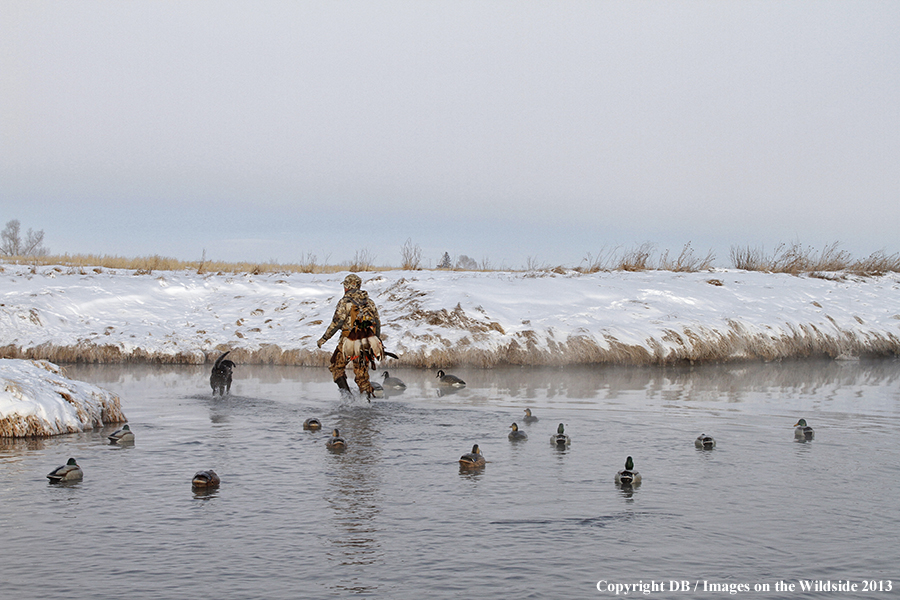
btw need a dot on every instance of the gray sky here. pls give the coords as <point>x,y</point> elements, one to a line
<point>506,131</point>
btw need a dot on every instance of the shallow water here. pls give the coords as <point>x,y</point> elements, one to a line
<point>393,516</point>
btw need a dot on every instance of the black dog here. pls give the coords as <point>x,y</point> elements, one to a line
<point>220,379</point>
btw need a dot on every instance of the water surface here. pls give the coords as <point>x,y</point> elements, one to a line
<point>393,516</point>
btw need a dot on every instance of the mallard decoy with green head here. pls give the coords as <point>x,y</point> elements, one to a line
<point>560,438</point>
<point>68,472</point>
<point>628,476</point>
<point>122,436</point>
<point>803,431</point>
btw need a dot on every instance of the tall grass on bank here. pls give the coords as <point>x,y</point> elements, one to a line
<point>794,259</point>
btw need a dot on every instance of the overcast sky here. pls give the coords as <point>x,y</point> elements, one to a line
<point>505,131</point>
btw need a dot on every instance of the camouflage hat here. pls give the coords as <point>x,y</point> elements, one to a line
<point>352,282</point>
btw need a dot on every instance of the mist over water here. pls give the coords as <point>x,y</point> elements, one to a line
<point>394,516</point>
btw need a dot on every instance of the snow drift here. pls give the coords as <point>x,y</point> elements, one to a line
<point>38,399</point>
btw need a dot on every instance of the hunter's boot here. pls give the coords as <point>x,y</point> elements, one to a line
<point>342,383</point>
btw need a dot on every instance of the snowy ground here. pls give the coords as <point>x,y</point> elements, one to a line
<point>38,399</point>
<point>441,318</point>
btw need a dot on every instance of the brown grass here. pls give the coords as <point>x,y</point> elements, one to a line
<point>792,258</point>
<point>796,259</point>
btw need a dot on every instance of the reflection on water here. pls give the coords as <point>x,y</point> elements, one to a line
<point>393,514</point>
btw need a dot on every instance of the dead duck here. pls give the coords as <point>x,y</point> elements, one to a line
<point>705,441</point>
<point>312,424</point>
<point>336,442</point>
<point>68,472</point>
<point>472,459</point>
<point>803,431</point>
<point>628,476</point>
<point>122,436</point>
<point>451,380</point>
<point>530,418</point>
<point>392,383</point>
<point>515,435</point>
<point>560,438</point>
<point>205,479</point>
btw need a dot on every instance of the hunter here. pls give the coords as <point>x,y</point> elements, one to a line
<point>355,311</point>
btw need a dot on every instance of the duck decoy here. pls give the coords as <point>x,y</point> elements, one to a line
<point>451,380</point>
<point>377,390</point>
<point>336,442</point>
<point>312,424</point>
<point>205,479</point>
<point>515,435</point>
<point>220,378</point>
<point>803,431</point>
<point>472,459</point>
<point>122,436</point>
<point>560,438</point>
<point>705,441</point>
<point>628,476</point>
<point>530,418</point>
<point>68,472</point>
<point>393,383</point>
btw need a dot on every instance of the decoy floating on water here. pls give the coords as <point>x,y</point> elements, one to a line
<point>530,418</point>
<point>628,476</point>
<point>122,436</point>
<point>393,383</point>
<point>803,431</point>
<point>472,459</point>
<point>336,442</point>
<point>68,472</point>
<point>220,378</point>
<point>560,438</point>
<point>205,479</point>
<point>515,435</point>
<point>377,390</point>
<point>451,380</point>
<point>705,441</point>
<point>312,424</point>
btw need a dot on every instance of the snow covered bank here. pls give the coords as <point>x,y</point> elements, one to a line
<point>37,399</point>
<point>441,318</point>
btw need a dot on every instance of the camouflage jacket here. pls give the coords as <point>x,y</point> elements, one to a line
<point>341,318</point>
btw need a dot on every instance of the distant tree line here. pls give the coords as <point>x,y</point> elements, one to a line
<point>12,244</point>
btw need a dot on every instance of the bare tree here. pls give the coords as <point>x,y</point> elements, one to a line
<point>411,255</point>
<point>12,244</point>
